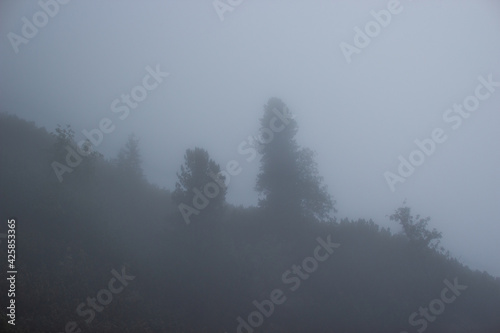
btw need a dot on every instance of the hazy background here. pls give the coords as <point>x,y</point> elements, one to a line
<point>358,117</point>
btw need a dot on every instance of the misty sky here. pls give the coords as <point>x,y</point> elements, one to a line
<point>358,116</point>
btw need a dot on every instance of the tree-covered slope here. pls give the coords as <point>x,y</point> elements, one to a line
<point>233,269</point>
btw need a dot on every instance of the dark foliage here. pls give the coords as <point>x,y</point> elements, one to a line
<point>188,278</point>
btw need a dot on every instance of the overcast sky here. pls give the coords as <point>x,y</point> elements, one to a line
<point>359,108</point>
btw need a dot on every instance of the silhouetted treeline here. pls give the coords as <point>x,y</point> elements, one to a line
<point>203,275</point>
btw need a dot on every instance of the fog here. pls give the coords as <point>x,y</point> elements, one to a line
<point>359,107</point>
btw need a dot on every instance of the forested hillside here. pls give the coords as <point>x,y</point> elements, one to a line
<point>103,250</point>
